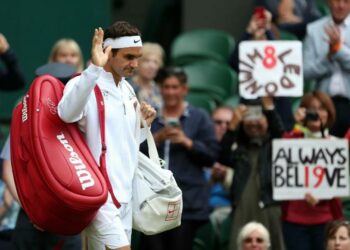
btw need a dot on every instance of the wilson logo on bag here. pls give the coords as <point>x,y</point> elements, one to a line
<point>59,184</point>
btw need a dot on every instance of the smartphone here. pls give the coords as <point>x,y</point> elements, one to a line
<point>259,12</point>
<point>254,112</point>
<point>173,122</point>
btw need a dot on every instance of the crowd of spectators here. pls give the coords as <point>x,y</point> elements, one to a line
<point>222,162</point>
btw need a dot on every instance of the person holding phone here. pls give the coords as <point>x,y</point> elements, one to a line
<point>261,28</point>
<point>186,140</point>
<point>247,147</point>
<point>304,221</point>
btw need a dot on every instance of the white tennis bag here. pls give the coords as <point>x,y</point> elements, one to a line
<point>157,200</point>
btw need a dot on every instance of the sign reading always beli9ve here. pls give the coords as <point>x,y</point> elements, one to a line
<point>317,166</point>
<point>270,68</point>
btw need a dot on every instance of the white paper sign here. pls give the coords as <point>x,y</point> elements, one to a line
<point>270,68</point>
<point>317,166</point>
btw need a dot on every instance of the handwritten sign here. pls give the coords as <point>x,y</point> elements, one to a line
<point>270,68</point>
<point>317,166</point>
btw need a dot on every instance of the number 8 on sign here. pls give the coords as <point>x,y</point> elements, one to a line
<point>269,61</point>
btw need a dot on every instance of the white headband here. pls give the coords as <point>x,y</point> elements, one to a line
<point>123,42</point>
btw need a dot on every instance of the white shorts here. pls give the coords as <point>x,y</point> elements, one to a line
<point>111,227</point>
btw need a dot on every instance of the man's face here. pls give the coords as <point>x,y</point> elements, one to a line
<point>340,9</point>
<point>221,118</point>
<point>255,128</point>
<point>173,92</point>
<point>124,62</point>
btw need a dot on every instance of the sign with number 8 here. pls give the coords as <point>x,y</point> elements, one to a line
<point>270,68</point>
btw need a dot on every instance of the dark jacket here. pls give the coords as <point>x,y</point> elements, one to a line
<point>187,166</point>
<point>238,159</point>
<point>12,77</point>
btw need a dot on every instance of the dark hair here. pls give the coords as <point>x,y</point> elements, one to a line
<point>167,72</point>
<point>333,226</point>
<point>325,101</point>
<point>120,29</point>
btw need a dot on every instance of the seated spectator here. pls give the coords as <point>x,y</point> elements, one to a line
<point>67,51</point>
<point>253,236</point>
<point>186,141</point>
<point>338,235</point>
<point>304,221</point>
<point>220,176</point>
<point>247,147</point>
<point>143,82</point>
<point>327,60</point>
<point>294,15</point>
<point>12,77</point>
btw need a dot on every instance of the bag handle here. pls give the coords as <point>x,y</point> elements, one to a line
<point>152,148</point>
<point>101,117</point>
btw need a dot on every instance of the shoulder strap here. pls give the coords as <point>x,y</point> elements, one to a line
<point>101,117</point>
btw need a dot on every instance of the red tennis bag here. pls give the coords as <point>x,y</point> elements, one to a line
<point>59,184</point>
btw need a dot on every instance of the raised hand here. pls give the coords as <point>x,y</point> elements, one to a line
<point>238,115</point>
<point>4,46</point>
<point>99,56</point>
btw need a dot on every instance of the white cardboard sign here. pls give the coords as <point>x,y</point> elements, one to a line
<point>317,166</point>
<point>270,68</point>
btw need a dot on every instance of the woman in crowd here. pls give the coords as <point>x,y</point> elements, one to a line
<point>67,51</point>
<point>143,82</point>
<point>304,221</point>
<point>338,235</point>
<point>253,236</point>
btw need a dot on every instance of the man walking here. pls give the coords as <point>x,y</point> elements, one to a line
<point>114,56</point>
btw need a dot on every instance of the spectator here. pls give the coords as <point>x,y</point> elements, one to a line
<point>12,78</point>
<point>338,235</point>
<point>304,221</point>
<point>253,236</point>
<point>294,15</point>
<point>220,176</point>
<point>185,139</point>
<point>67,51</point>
<point>143,82</point>
<point>327,60</point>
<point>246,147</point>
<point>260,28</point>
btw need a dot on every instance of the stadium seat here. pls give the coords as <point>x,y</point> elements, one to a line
<point>225,233</point>
<point>285,35</point>
<point>205,238</point>
<point>217,79</point>
<point>201,100</point>
<point>201,45</point>
<point>232,101</point>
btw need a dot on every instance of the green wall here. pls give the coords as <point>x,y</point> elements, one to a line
<point>32,27</point>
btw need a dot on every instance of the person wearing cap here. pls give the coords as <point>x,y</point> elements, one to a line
<point>247,147</point>
<point>115,53</point>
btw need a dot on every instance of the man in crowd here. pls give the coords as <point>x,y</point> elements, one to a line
<point>327,59</point>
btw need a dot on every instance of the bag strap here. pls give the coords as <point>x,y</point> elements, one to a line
<point>101,117</point>
<point>152,148</point>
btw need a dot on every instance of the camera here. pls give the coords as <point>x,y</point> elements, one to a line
<point>311,115</point>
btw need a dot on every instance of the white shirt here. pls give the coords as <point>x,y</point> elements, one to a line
<point>122,129</point>
<point>337,86</point>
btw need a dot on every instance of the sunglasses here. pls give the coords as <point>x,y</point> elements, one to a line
<point>221,122</point>
<point>251,240</point>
